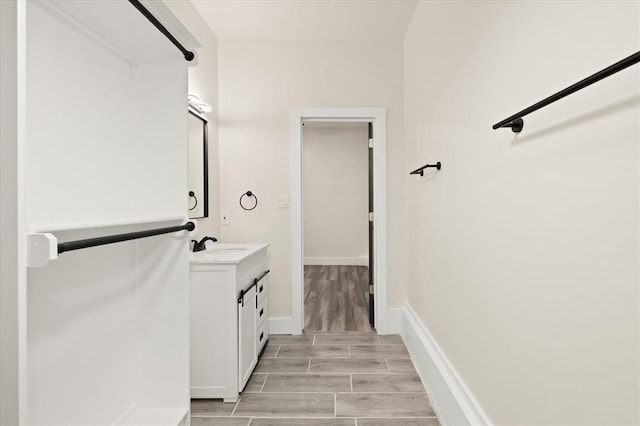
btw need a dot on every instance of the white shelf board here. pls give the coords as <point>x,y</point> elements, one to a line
<point>119,26</point>
<point>77,226</point>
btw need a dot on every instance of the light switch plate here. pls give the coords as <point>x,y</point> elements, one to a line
<point>283,202</point>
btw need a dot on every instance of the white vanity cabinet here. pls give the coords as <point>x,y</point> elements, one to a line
<point>228,317</point>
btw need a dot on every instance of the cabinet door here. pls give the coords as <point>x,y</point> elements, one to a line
<point>247,357</point>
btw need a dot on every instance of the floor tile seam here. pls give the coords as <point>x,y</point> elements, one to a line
<point>344,357</point>
<point>385,417</point>
<point>389,374</point>
<point>235,406</point>
<point>305,392</point>
<point>261,417</point>
<point>287,392</point>
<point>397,417</point>
<point>266,376</point>
<point>317,418</point>
<point>385,392</point>
<point>354,372</point>
<point>320,357</point>
<point>215,415</point>
<point>275,416</point>
<point>354,357</point>
<point>302,392</point>
<point>302,373</point>
<point>326,356</point>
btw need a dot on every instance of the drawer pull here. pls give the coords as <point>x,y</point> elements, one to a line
<point>261,311</point>
<point>261,336</point>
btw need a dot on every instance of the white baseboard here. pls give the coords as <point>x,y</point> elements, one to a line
<point>357,261</point>
<point>453,401</point>
<point>394,320</point>
<point>280,325</point>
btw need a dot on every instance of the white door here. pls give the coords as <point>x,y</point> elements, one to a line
<point>247,339</point>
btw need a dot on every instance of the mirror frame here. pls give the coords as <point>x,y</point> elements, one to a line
<point>205,166</point>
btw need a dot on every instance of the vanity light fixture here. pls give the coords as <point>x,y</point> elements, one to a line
<point>195,103</point>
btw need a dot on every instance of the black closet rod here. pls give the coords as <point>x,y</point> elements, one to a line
<point>100,241</point>
<point>188,55</point>
<point>515,121</point>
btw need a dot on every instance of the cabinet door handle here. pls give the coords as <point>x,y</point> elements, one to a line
<point>261,311</point>
<point>261,336</point>
<point>261,288</point>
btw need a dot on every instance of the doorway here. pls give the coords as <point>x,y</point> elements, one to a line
<point>336,228</point>
<point>377,118</point>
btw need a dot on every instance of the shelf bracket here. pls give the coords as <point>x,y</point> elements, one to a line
<point>41,248</point>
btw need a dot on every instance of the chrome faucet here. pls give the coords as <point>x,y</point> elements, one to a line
<point>201,245</point>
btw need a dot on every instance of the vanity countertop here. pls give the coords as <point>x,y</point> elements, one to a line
<point>226,253</point>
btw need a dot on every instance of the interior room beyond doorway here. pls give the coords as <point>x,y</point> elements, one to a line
<point>336,238</point>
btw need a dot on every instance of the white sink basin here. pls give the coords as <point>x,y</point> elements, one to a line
<point>225,250</point>
<point>224,253</point>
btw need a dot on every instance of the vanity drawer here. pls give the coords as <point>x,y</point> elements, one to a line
<point>262,311</point>
<point>262,289</point>
<point>262,335</point>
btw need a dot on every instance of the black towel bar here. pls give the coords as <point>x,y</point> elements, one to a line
<point>515,121</point>
<point>100,241</point>
<point>420,171</point>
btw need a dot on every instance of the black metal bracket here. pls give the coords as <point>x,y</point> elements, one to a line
<point>420,171</point>
<point>516,125</point>
<point>515,121</point>
<point>253,284</point>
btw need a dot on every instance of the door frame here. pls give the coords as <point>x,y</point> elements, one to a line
<point>377,116</point>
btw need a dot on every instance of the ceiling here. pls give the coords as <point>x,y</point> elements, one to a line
<point>321,20</point>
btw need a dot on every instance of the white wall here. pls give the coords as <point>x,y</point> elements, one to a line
<point>11,275</point>
<point>524,248</point>
<point>336,195</point>
<point>203,82</point>
<point>259,82</point>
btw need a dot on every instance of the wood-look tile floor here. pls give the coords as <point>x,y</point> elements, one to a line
<point>336,298</point>
<point>323,379</point>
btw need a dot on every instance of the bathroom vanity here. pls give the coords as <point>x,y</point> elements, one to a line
<point>228,317</point>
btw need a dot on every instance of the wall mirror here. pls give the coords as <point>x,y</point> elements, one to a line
<point>198,190</point>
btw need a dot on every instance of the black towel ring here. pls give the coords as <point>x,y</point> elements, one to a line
<point>249,194</point>
<point>193,194</point>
